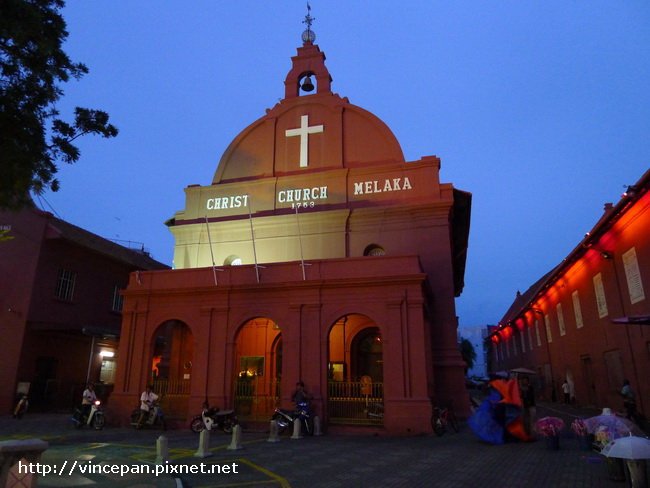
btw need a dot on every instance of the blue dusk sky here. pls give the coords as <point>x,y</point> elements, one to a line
<point>540,109</point>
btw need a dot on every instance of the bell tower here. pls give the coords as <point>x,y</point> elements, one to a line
<point>310,62</point>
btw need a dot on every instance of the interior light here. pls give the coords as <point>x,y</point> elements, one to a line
<point>107,354</point>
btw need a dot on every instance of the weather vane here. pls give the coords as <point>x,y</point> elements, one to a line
<point>309,35</point>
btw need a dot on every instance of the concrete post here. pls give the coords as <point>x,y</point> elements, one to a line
<point>204,445</point>
<point>13,452</point>
<point>317,426</point>
<point>273,432</point>
<point>235,442</point>
<point>296,429</point>
<point>162,450</point>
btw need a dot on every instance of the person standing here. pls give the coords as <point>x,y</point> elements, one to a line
<point>527,393</point>
<point>566,389</point>
<point>629,400</point>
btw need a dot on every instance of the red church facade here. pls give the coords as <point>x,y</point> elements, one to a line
<point>587,321</point>
<point>317,254</point>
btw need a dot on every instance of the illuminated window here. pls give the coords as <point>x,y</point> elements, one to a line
<point>251,366</point>
<point>560,319</point>
<point>65,285</point>
<point>374,250</point>
<point>232,260</point>
<point>107,373</point>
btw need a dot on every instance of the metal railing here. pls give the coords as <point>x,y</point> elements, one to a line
<point>174,396</point>
<point>165,387</point>
<point>354,402</point>
<point>256,400</point>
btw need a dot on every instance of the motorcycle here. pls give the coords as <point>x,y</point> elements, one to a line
<point>154,418</point>
<point>21,407</point>
<point>213,417</point>
<point>302,412</point>
<point>95,417</point>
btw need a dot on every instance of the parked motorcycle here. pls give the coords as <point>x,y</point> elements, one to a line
<point>211,418</point>
<point>285,418</point>
<point>21,406</point>
<point>95,417</point>
<point>154,418</point>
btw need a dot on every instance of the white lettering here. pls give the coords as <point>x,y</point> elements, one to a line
<point>302,195</point>
<point>221,203</point>
<point>373,186</point>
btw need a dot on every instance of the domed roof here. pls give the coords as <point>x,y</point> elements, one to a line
<point>308,132</point>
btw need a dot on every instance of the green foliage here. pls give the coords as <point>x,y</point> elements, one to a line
<point>32,66</point>
<point>467,352</point>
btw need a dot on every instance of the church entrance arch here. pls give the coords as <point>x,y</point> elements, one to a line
<point>258,368</point>
<point>355,371</point>
<point>171,366</point>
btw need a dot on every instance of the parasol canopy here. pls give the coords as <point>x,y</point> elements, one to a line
<point>614,425</point>
<point>630,447</point>
<point>523,371</point>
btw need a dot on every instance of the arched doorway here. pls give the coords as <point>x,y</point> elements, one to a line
<point>355,371</point>
<point>258,368</point>
<point>171,366</point>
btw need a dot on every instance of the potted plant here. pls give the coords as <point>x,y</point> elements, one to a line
<point>585,439</point>
<point>549,428</point>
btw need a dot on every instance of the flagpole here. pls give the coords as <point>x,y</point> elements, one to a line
<point>214,271</point>
<point>250,219</point>
<point>302,260</point>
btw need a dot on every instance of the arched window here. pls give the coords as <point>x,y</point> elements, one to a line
<point>374,250</point>
<point>232,260</point>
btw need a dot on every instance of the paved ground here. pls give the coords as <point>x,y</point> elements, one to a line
<point>330,461</point>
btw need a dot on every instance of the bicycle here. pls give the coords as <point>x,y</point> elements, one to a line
<point>441,417</point>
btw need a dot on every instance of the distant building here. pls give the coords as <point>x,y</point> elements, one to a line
<point>60,307</point>
<point>587,321</point>
<point>362,252</point>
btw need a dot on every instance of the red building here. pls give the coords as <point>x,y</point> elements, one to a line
<point>60,307</point>
<point>316,254</point>
<point>587,320</point>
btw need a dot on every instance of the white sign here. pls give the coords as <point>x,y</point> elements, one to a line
<point>221,203</point>
<point>633,276</point>
<point>599,290</point>
<point>376,186</point>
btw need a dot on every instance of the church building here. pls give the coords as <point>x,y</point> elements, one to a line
<point>316,254</point>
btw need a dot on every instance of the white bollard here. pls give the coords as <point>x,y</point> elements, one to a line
<point>317,427</point>
<point>204,445</point>
<point>162,450</point>
<point>235,442</point>
<point>273,432</point>
<point>296,429</point>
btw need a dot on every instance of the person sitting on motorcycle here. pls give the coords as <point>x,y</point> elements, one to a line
<point>88,399</point>
<point>300,395</point>
<point>147,399</point>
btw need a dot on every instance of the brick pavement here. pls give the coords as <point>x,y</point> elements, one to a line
<point>330,461</point>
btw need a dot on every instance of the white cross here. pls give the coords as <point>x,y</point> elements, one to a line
<point>303,131</point>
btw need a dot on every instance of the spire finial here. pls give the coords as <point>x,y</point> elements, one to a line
<point>309,36</point>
